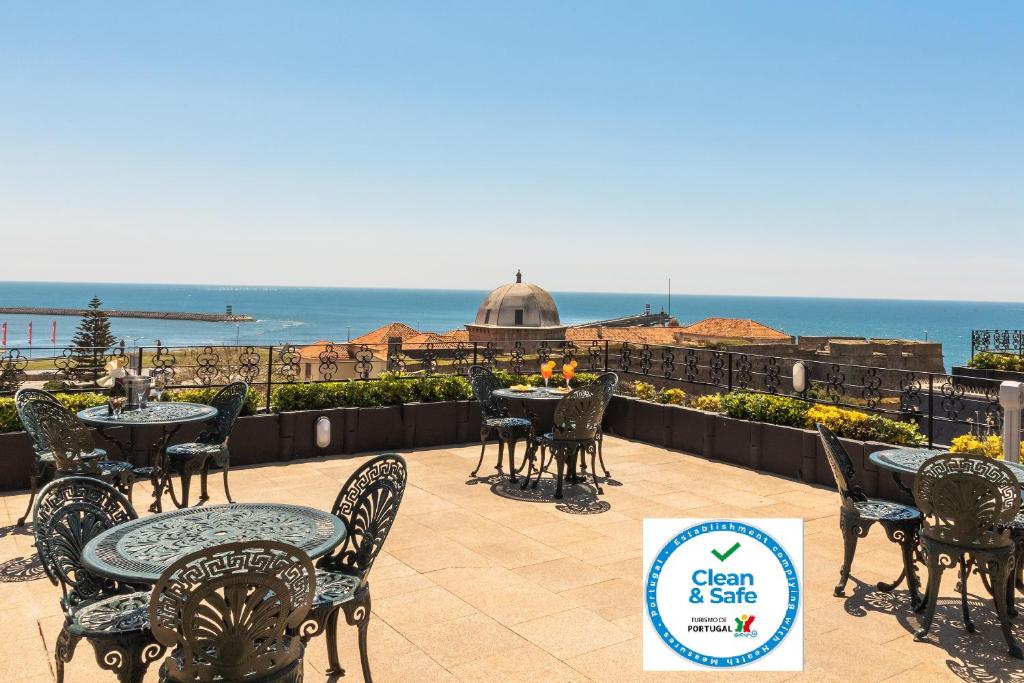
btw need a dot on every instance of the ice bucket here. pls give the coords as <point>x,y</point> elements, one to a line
<point>136,392</point>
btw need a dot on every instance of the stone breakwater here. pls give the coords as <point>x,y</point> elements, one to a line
<point>152,315</point>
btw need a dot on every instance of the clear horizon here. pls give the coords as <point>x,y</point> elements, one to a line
<point>862,151</point>
<point>243,285</point>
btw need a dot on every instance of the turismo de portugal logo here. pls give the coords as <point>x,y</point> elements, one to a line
<point>723,594</point>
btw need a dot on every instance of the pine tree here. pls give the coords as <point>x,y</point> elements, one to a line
<point>92,338</point>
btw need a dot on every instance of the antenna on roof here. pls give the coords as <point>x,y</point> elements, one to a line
<point>519,275</point>
<point>669,301</point>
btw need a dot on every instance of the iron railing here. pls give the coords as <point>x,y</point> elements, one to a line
<point>997,341</point>
<point>943,406</point>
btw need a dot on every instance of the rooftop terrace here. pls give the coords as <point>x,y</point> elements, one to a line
<point>474,584</point>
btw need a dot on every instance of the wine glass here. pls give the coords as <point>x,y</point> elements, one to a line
<point>567,372</point>
<point>545,372</point>
<point>159,383</point>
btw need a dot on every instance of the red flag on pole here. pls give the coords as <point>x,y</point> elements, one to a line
<point>53,333</point>
<point>30,333</point>
<point>4,330</point>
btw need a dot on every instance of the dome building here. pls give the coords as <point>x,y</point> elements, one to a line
<point>514,312</point>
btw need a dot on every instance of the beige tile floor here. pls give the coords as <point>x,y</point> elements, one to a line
<point>476,586</point>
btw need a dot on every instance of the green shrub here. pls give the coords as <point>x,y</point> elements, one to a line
<point>780,410</point>
<point>675,397</point>
<point>9,421</point>
<point>206,394</point>
<point>986,360</point>
<point>391,389</point>
<point>645,391</point>
<point>712,403</point>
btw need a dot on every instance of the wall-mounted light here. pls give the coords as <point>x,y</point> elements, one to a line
<point>799,377</point>
<point>322,432</point>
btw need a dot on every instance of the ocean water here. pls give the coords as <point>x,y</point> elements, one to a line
<point>304,314</point>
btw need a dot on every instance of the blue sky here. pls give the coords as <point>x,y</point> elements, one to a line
<point>805,148</point>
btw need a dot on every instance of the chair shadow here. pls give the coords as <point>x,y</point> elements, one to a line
<point>14,530</point>
<point>977,657</point>
<point>21,569</point>
<point>578,498</point>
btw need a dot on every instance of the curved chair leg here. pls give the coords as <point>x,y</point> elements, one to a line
<point>528,459</point>
<point>600,454</point>
<point>850,536</point>
<point>334,668</point>
<point>127,658</point>
<point>186,481</point>
<point>204,471</point>
<point>1000,569</point>
<point>34,485</point>
<point>501,454</point>
<point>483,447</point>
<point>560,458</point>
<point>224,468</point>
<point>357,613</point>
<point>512,460</point>
<point>593,468</point>
<point>63,652</point>
<point>965,571</point>
<point>932,595</point>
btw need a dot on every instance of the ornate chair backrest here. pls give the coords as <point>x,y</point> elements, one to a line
<point>484,384</point>
<point>608,382</point>
<point>69,513</point>
<point>224,611</point>
<point>368,504</point>
<point>24,401</point>
<point>66,437</point>
<point>966,497</point>
<point>842,466</point>
<point>229,402</point>
<point>578,414</point>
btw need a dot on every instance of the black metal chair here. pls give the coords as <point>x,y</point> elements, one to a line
<point>367,504</point>
<point>902,523</point>
<point>43,465</point>
<point>495,419</point>
<point>111,616</point>
<point>225,613</point>
<point>577,419</point>
<point>967,501</point>
<point>73,448</point>
<point>609,380</point>
<point>211,446</point>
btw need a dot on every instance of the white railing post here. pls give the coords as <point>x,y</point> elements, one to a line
<point>1011,398</point>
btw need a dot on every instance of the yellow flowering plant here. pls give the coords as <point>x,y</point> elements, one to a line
<point>991,445</point>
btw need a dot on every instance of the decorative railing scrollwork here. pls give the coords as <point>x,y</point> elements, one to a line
<point>645,359</point>
<point>668,362</point>
<point>328,358</point>
<point>460,358</point>
<point>690,363</point>
<point>772,376</point>
<point>364,362</point>
<point>490,355</point>
<point>625,357</point>
<point>594,352</point>
<point>835,387</point>
<point>744,372</point>
<point>871,384</point>
<point>517,358</point>
<point>952,397</point>
<point>717,368</point>
<point>248,364</point>
<point>287,365</point>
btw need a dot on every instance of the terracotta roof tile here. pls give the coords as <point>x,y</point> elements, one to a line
<point>382,334</point>
<point>733,328</point>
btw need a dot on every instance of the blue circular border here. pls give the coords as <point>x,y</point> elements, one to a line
<point>689,653</point>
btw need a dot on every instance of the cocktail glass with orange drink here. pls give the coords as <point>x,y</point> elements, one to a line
<point>568,371</point>
<point>546,369</point>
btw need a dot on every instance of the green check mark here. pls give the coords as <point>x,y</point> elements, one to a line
<point>724,556</point>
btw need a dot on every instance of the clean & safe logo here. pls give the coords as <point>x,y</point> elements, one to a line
<point>723,594</point>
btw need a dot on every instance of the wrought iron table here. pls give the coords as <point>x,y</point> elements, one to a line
<point>544,400</point>
<point>140,551</point>
<point>907,461</point>
<point>169,417</point>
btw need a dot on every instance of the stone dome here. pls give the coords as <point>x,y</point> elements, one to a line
<point>518,304</point>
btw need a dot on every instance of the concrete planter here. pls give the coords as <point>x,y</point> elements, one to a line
<point>16,454</point>
<point>651,423</point>
<point>731,441</point>
<point>618,418</point>
<point>374,429</point>
<point>781,450</point>
<point>431,424</point>
<point>687,428</point>
<point>254,440</point>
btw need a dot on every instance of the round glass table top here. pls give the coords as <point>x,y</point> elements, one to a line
<point>139,551</point>
<point>153,414</point>
<point>532,393</point>
<point>909,461</point>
